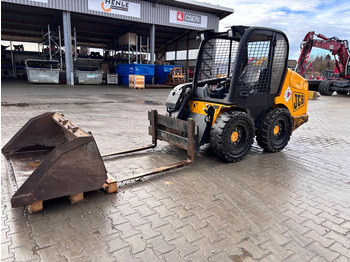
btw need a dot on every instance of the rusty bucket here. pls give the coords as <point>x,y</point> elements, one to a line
<point>49,157</point>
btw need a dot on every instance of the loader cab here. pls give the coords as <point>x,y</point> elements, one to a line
<point>244,67</point>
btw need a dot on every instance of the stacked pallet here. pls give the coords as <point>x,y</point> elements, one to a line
<point>137,81</point>
<point>175,77</point>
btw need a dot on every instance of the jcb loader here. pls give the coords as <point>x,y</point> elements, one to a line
<point>241,89</point>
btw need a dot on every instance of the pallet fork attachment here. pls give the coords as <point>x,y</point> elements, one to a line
<point>49,157</point>
<point>177,132</point>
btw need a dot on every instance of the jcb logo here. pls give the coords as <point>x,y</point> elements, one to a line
<point>298,101</point>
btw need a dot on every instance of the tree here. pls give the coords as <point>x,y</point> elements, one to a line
<point>319,64</point>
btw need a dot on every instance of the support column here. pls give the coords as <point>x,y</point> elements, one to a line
<point>67,33</point>
<point>188,49</point>
<point>176,50</point>
<point>13,64</point>
<point>152,45</point>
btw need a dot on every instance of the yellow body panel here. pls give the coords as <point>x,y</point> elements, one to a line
<point>199,106</point>
<point>294,94</point>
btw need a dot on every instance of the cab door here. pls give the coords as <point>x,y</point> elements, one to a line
<point>261,68</point>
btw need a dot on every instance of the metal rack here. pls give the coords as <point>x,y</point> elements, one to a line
<point>12,61</point>
<point>137,53</point>
<point>53,43</point>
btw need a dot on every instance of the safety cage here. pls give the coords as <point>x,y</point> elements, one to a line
<point>254,62</point>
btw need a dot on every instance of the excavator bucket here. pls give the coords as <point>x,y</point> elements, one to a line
<point>49,157</point>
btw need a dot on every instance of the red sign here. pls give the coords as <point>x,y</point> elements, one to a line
<point>180,16</point>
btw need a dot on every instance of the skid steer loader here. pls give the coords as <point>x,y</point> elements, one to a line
<point>241,89</point>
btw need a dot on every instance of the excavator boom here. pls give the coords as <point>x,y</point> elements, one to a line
<point>338,48</point>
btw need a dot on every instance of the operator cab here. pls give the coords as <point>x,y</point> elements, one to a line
<point>244,62</point>
<point>243,67</point>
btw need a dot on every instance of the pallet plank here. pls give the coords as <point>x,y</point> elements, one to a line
<point>76,198</point>
<point>35,207</point>
<point>111,184</point>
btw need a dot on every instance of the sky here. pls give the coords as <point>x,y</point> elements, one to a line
<point>295,18</point>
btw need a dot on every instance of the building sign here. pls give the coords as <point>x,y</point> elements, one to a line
<point>185,18</point>
<point>115,7</point>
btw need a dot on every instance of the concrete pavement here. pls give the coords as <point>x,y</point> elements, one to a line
<point>288,206</point>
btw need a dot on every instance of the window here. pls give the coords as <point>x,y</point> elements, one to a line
<point>216,61</point>
<point>278,64</point>
<point>258,65</point>
<point>170,55</point>
<point>254,74</point>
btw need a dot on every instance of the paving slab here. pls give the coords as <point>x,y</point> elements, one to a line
<point>287,206</point>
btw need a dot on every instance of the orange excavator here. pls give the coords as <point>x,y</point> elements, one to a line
<point>340,50</point>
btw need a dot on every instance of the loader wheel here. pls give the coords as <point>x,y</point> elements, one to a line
<point>232,136</point>
<point>274,130</point>
<point>324,88</point>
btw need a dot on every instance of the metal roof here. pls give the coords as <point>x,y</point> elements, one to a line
<point>29,23</point>
<point>24,20</point>
<point>26,23</point>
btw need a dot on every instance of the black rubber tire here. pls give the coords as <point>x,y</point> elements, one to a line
<point>224,127</point>
<point>324,88</point>
<point>265,135</point>
<point>342,92</point>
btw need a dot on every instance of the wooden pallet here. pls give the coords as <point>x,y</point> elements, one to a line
<point>175,77</point>
<point>137,81</point>
<point>35,207</point>
<point>110,186</point>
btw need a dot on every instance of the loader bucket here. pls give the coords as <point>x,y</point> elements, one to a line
<point>49,157</point>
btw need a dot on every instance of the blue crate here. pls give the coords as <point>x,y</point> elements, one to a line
<point>123,80</point>
<point>124,70</point>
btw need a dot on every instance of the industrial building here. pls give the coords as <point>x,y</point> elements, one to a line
<point>143,32</point>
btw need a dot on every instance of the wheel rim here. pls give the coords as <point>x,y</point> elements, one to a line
<point>238,139</point>
<point>234,136</point>
<point>279,133</point>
